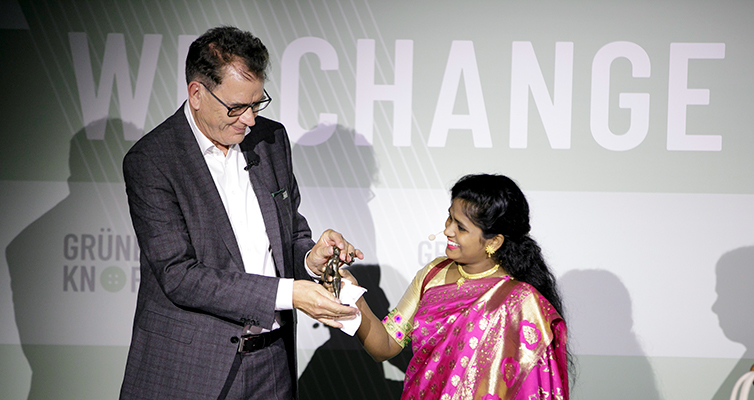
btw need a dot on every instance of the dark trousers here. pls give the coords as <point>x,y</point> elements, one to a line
<point>267,373</point>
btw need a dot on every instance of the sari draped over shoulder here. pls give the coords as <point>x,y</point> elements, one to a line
<point>490,338</point>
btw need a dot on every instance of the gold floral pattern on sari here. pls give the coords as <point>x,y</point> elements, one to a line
<point>510,369</point>
<point>530,335</point>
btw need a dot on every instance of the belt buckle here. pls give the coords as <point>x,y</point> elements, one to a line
<point>251,343</point>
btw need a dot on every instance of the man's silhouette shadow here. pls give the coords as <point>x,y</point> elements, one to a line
<point>600,326</point>
<point>336,177</point>
<point>341,368</point>
<point>72,277</point>
<point>734,286</point>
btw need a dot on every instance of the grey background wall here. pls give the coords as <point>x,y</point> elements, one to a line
<point>627,123</point>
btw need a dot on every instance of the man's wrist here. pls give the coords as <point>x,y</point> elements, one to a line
<point>309,271</point>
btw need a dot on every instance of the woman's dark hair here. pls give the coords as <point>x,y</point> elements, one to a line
<point>496,205</point>
<point>220,47</point>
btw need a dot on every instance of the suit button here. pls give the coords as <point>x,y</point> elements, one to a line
<point>234,340</point>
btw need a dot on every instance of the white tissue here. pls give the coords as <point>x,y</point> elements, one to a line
<point>349,293</point>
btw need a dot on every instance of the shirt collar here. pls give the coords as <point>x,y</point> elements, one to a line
<point>205,145</point>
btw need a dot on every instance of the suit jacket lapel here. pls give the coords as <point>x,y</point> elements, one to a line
<point>205,188</point>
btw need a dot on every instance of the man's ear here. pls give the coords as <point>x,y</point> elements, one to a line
<point>194,94</point>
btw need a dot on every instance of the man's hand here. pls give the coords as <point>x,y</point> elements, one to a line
<point>322,251</point>
<point>317,302</point>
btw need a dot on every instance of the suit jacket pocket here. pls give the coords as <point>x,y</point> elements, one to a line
<point>168,327</point>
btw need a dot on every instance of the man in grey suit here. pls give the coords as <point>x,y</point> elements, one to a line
<point>225,254</point>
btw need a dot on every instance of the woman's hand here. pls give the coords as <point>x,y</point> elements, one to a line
<point>346,274</point>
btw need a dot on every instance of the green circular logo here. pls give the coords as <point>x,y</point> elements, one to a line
<point>113,279</point>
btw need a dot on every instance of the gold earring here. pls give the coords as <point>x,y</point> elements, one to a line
<point>489,250</point>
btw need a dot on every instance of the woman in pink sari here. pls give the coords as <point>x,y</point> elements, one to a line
<point>486,321</point>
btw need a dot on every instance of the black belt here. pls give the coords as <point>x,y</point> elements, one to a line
<point>249,344</point>
<point>252,343</point>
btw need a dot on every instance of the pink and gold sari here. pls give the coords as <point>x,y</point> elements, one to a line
<point>491,338</point>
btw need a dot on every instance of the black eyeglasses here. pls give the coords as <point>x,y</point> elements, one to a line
<point>236,111</point>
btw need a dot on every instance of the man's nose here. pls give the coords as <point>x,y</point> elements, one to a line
<point>248,117</point>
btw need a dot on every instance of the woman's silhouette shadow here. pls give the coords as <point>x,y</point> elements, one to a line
<point>600,328</point>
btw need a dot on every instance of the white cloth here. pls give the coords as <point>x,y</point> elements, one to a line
<point>349,294</point>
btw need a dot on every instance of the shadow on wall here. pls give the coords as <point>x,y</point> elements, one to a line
<point>734,287</point>
<point>341,368</point>
<point>336,176</point>
<point>610,363</point>
<point>72,277</point>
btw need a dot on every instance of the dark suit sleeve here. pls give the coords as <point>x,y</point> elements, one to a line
<point>178,236</point>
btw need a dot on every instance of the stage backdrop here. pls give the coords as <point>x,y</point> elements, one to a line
<point>627,123</point>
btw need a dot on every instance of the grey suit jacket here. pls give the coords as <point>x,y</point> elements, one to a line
<point>194,294</point>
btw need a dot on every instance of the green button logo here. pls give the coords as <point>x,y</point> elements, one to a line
<point>113,279</point>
